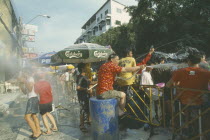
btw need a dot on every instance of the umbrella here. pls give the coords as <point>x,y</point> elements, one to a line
<point>44,59</point>
<point>82,53</point>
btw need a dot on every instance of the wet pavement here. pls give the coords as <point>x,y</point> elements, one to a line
<point>14,127</point>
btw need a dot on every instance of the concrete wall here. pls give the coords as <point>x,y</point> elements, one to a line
<point>7,43</point>
<point>7,16</point>
<point>123,17</point>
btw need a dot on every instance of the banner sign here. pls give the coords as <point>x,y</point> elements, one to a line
<point>29,29</point>
<point>28,38</point>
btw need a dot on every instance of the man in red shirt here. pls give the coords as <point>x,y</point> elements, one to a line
<point>44,90</point>
<point>106,78</point>
<point>191,77</point>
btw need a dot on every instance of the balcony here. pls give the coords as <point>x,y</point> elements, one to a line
<point>108,16</point>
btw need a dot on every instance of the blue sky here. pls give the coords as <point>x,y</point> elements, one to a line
<point>64,26</point>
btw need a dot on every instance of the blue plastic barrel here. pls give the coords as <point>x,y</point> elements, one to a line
<point>104,116</point>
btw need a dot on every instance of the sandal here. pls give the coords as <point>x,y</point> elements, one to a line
<point>46,134</point>
<point>31,136</point>
<point>54,130</point>
<point>34,138</point>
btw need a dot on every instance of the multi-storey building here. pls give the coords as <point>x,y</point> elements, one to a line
<point>10,48</point>
<point>111,14</point>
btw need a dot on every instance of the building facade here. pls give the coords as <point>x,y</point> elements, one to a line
<point>10,38</point>
<point>110,15</point>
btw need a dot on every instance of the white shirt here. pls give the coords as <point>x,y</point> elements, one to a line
<point>67,76</point>
<point>146,79</point>
<point>32,93</point>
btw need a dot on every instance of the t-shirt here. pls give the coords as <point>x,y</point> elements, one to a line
<point>194,78</point>
<point>146,78</point>
<point>106,76</point>
<point>32,93</point>
<point>126,62</point>
<point>67,76</point>
<point>44,90</point>
<point>83,82</point>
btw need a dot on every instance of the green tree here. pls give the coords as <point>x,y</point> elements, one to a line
<point>181,22</point>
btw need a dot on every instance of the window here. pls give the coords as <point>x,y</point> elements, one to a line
<point>98,19</point>
<point>100,27</point>
<point>119,10</point>
<point>106,12</point>
<point>101,16</point>
<point>108,22</point>
<point>118,22</point>
<point>96,29</point>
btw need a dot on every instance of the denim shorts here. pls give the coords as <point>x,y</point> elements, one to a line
<point>32,106</point>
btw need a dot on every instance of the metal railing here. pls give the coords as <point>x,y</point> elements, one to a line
<point>145,108</point>
<point>189,121</point>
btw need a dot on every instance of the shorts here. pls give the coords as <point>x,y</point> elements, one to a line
<point>83,96</point>
<point>44,108</point>
<point>110,94</point>
<point>32,106</point>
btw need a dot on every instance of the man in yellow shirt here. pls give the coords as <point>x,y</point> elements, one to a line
<point>126,77</point>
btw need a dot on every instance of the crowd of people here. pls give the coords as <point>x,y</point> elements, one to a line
<point>114,80</point>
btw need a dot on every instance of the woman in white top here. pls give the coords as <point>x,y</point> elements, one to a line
<point>32,107</point>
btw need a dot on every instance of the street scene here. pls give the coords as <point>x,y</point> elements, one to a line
<point>104,70</point>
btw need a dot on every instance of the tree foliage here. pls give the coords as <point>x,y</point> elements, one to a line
<point>168,25</point>
<point>182,22</point>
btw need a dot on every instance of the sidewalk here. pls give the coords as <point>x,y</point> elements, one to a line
<point>7,99</point>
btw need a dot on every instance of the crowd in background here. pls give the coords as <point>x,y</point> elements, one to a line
<point>114,79</point>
